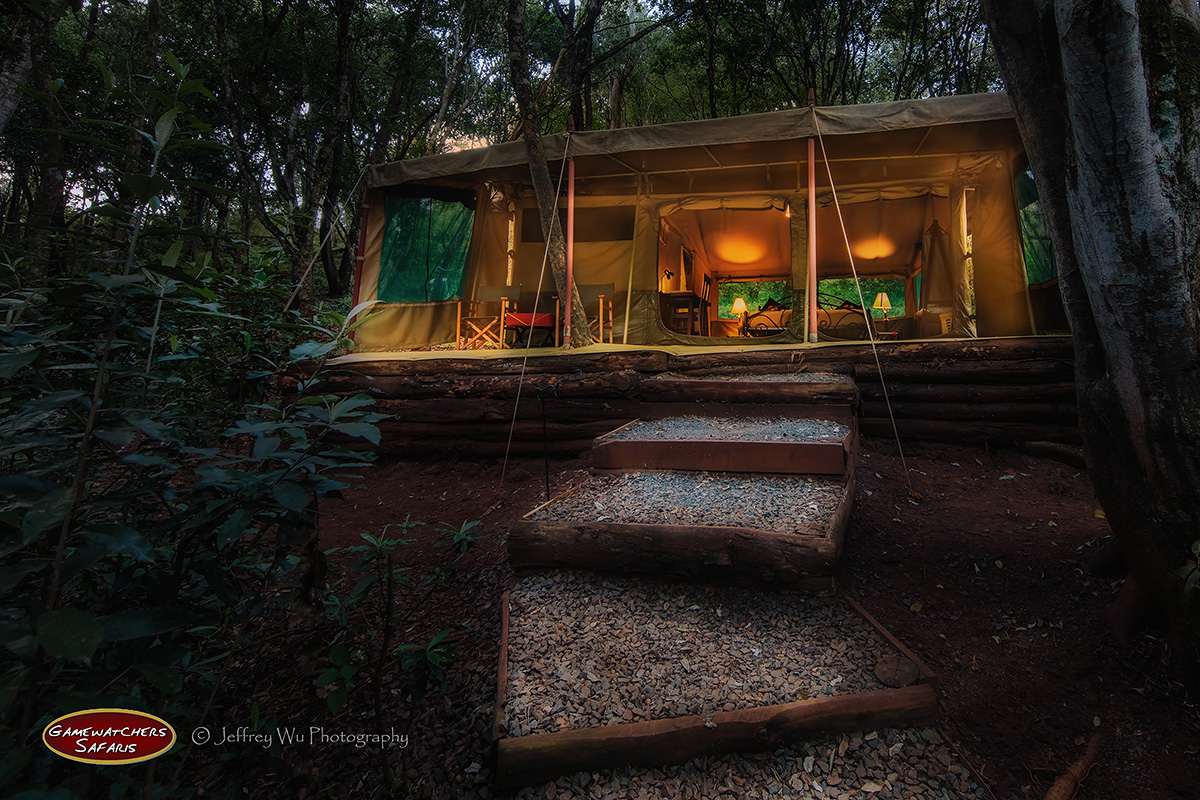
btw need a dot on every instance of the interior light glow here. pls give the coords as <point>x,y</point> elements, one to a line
<point>878,247</point>
<point>740,249</point>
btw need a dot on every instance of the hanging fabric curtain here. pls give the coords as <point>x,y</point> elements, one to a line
<point>944,291</point>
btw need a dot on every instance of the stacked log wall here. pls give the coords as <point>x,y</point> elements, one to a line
<point>1002,390</point>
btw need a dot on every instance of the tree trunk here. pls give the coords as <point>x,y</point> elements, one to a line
<point>1105,95</point>
<point>28,31</point>
<point>47,211</point>
<point>382,148</point>
<point>543,188</point>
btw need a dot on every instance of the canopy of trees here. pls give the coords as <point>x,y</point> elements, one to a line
<point>302,94</point>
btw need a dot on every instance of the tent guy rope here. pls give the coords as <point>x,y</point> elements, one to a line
<point>862,303</point>
<point>529,338</point>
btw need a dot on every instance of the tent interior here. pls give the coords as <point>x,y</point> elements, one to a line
<point>698,233</point>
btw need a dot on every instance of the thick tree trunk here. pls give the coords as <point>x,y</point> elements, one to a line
<point>1105,95</point>
<point>543,188</point>
<point>16,64</point>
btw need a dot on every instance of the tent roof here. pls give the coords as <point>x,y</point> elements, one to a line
<point>872,144</point>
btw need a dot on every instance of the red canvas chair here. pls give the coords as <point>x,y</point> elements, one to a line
<point>533,312</point>
<point>481,321</point>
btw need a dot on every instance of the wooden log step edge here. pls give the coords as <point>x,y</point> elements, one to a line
<point>502,669</point>
<point>739,556</point>
<point>537,758</point>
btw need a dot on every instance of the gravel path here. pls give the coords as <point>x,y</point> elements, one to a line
<point>588,650</point>
<point>760,429</point>
<point>889,764</point>
<point>784,504</point>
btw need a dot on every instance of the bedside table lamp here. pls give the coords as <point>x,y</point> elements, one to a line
<point>739,308</point>
<point>883,303</point>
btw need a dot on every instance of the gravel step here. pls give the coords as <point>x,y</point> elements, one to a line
<point>784,504</point>
<point>587,650</point>
<point>749,429</point>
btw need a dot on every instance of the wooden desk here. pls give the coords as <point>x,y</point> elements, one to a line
<point>684,312</point>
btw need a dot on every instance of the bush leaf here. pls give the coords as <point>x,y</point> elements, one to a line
<point>69,633</point>
<point>291,496</point>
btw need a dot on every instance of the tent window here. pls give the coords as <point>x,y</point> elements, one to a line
<point>834,291</point>
<point>592,224</point>
<point>1040,265</point>
<point>425,243</point>
<point>755,293</point>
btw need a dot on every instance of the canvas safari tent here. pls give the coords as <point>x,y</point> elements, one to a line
<point>672,212</point>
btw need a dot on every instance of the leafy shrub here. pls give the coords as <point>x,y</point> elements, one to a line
<point>156,494</point>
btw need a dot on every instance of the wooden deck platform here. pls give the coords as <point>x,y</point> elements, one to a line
<point>1010,390</point>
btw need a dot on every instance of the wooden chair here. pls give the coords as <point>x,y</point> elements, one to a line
<point>534,312</point>
<point>477,327</point>
<point>600,296</point>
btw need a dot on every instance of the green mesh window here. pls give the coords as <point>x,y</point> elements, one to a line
<point>425,243</point>
<point>1040,265</point>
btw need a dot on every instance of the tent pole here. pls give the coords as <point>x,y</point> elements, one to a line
<point>570,236</point>
<point>361,255</point>
<point>812,226</point>
<point>637,204</point>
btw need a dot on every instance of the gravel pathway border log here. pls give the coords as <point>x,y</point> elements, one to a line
<point>900,763</point>
<point>755,444</point>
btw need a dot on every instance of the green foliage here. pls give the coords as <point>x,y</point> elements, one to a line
<point>462,537</point>
<point>755,293</point>
<point>340,677</point>
<point>845,289</point>
<point>425,664</point>
<point>156,496</point>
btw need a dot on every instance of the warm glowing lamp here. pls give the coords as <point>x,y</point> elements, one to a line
<point>739,308</point>
<point>883,303</point>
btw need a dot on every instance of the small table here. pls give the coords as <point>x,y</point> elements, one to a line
<point>685,312</point>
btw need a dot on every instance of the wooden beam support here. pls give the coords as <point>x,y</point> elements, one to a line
<point>502,670</point>
<point>974,372</point>
<point>1013,411</point>
<point>964,432</point>
<point>733,391</point>
<point>535,759</point>
<point>970,393</point>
